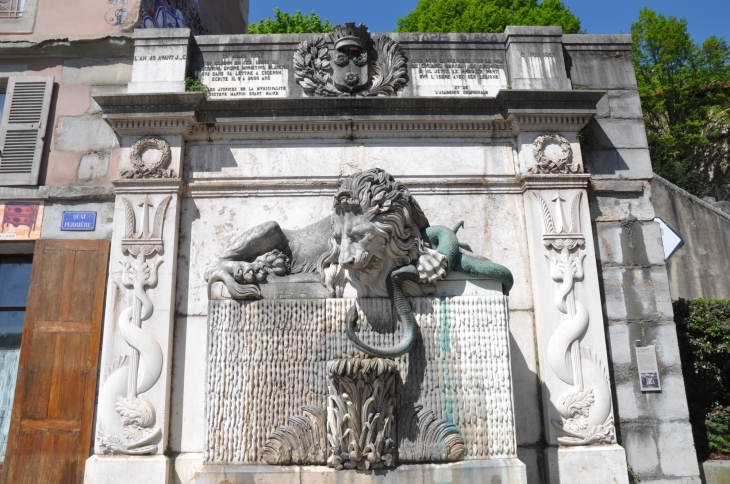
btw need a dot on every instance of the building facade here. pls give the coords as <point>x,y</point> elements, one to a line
<point>219,325</point>
<point>58,154</point>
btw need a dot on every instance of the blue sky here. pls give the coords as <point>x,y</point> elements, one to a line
<point>705,17</point>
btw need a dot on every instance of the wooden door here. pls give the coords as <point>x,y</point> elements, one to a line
<point>51,425</point>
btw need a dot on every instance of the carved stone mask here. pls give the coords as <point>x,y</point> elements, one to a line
<point>350,68</point>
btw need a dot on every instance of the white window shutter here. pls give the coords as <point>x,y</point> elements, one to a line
<point>23,129</point>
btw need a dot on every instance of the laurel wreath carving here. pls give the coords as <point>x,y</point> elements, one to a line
<point>563,165</point>
<point>312,67</point>
<point>390,68</point>
<point>154,170</point>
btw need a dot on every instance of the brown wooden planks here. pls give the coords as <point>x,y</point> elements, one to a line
<point>51,427</point>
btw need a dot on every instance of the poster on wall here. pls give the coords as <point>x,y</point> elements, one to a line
<point>648,369</point>
<point>20,220</point>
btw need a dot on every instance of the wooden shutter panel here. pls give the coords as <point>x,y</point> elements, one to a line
<point>23,129</point>
<point>51,424</point>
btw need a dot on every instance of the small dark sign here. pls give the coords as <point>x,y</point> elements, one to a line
<point>81,221</point>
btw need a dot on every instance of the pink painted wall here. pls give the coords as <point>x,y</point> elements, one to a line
<point>81,17</point>
<point>100,17</point>
<point>61,167</point>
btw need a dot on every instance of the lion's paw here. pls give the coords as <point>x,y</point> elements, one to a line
<point>274,262</point>
<point>431,266</point>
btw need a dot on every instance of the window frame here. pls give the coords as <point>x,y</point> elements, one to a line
<point>23,24</point>
<point>17,258</point>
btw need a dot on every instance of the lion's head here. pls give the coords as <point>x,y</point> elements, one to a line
<point>376,227</point>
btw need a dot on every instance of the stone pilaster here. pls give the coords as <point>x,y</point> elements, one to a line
<point>133,406</point>
<point>576,387</point>
<point>160,60</point>
<point>535,58</point>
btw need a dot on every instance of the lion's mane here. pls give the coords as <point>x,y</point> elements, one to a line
<point>390,207</point>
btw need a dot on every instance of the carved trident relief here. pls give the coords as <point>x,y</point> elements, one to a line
<point>586,411</point>
<point>121,411</point>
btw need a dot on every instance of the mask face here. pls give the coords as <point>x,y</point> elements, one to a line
<point>350,68</point>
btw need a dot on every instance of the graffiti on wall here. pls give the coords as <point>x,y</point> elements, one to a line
<point>116,15</point>
<point>165,14</point>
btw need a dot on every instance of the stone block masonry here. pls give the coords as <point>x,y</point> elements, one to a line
<point>637,303</point>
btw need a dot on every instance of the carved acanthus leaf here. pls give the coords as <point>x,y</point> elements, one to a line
<point>360,420</point>
<point>424,438</point>
<point>302,442</point>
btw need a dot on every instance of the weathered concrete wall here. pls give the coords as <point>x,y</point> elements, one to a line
<point>81,152</point>
<point>93,17</point>
<point>701,268</point>
<point>225,17</point>
<point>653,427</point>
<point>202,17</point>
<point>80,148</point>
<point>85,17</point>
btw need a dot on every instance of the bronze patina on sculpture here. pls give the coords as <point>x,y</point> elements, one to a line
<point>379,242</point>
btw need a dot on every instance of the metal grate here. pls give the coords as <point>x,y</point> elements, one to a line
<point>11,8</point>
<point>27,103</point>
<point>19,151</point>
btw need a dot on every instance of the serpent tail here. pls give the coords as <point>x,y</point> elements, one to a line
<point>402,306</point>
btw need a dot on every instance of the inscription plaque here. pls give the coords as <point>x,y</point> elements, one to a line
<point>240,75</point>
<point>432,77</point>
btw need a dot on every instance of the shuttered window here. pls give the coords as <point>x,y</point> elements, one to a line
<point>23,129</point>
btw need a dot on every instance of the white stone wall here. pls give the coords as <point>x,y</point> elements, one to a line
<point>292,182</point>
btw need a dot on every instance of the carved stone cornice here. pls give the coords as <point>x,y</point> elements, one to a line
<point>553,182</point>
<point>504,116</point>
<point>148,185</point>
<point>326,186</point>
<point>166,113</point>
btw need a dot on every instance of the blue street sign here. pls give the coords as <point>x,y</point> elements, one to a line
<point>81,221</point>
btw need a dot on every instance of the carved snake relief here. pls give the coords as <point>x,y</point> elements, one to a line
<point>592,397</point>
<point>136,414</point>
<point>458,257</point>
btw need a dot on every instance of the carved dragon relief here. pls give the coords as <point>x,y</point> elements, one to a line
<point>361,66</point>
<point>126,421</point>
<point>586,411</point>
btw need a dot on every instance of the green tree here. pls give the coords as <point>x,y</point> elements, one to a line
<point>286,23</point>
<point>486,16</point>
<point>685,96</point>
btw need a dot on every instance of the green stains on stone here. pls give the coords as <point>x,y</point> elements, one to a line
<point>444,328</point>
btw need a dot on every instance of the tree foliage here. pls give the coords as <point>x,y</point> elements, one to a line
<point>685,95</point>
<point>486,16</point>
<point>286,23</point>
<point>703,331</point>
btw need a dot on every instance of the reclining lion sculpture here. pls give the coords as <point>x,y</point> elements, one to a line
<point>377,239</point>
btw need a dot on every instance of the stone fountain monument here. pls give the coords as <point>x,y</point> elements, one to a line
<point>360,258</point>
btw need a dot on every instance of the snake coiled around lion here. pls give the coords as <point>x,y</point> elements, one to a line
<point>458,257</point>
